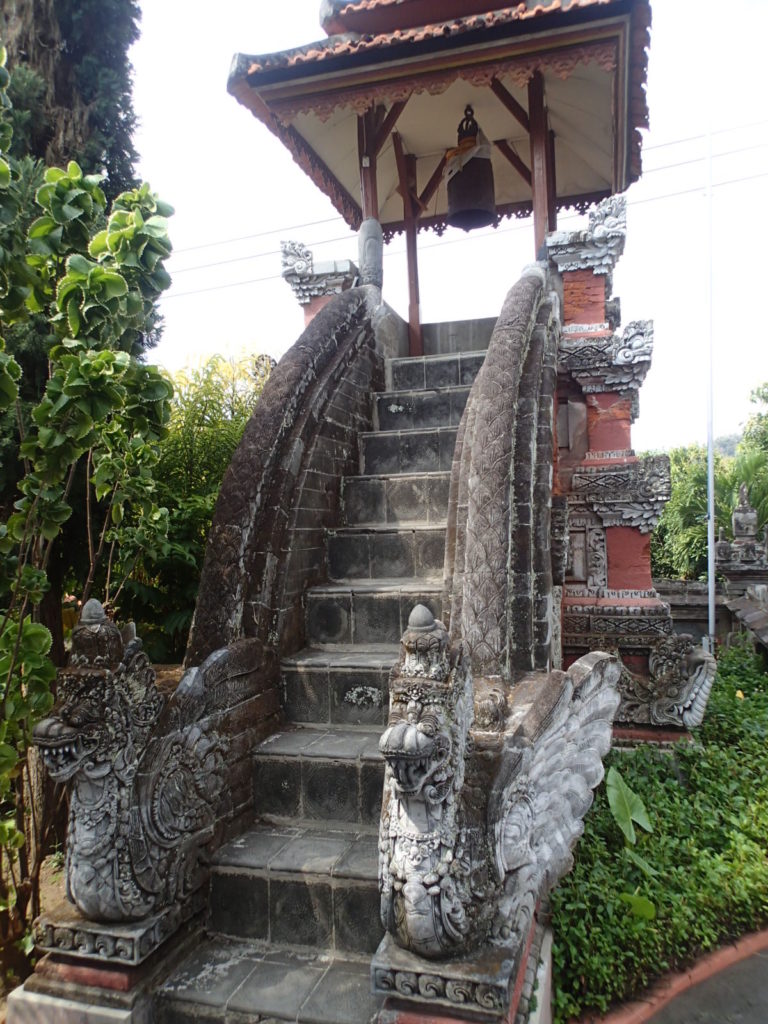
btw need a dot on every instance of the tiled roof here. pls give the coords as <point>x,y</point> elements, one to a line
<point>353,43</point>
<point>387,15</point>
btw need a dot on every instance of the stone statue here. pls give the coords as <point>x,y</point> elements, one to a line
<point>481,805</point>
<point>681,678</point>
<point>141,804</point>
<point>744,519</point>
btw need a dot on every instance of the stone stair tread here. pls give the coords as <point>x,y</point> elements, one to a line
<point>249,980</point>
<point>344,851</point>
<point>375,656</point>
<point>410,432</point>
<point>433,474</point>
<point>350,743</point>
<point>382,585</point>
<point>416,526</point>
<point>420,391</point>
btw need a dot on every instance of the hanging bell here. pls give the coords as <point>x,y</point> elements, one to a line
<point>471,198</point>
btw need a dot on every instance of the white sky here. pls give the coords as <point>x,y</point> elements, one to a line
<point>237,193</point>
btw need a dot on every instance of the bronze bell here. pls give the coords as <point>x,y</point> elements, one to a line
<point>471,197</point>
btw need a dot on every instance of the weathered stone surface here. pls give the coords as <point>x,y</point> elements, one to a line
<point>501,487</point>
<point>25,1007</point>
<point>294,443</point>
<point>144,781</point>
<point>596,248</point>
<point>467,838</point>
<point>310,280</point>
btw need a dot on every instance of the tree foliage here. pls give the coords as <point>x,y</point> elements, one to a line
<point>72,84</point>
<point>679,542</point>
<point>210,408</point>
<point>90,274</point>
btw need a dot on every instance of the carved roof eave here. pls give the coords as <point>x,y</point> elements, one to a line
<point>274,94</point>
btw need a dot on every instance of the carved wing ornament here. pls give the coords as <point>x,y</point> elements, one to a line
<point>537,814</point>
<point>485,790</point>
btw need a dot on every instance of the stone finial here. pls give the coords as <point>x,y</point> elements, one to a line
<point>599,246</point>
<point>722,548</point>
<point>310,280</point>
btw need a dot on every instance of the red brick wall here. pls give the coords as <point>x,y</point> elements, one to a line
<point>629,558</point>
<point>583,297</point>
<point>609,422</point>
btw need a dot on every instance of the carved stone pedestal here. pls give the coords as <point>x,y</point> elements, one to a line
<point>481,986</point>
<point>102,973</point>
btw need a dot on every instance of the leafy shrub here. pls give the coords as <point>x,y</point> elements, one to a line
<point>708,803</point>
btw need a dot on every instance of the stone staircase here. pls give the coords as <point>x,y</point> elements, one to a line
<point>294,905</point>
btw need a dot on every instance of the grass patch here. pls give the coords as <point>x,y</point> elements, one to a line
<point>708,805</point>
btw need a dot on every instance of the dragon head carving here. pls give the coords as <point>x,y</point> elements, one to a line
<point>108,703</point>
<point>140,802</point>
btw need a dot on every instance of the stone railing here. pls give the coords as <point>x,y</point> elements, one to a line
<point>492,754</point>
<point>284,477</point>
<point>156,785</point>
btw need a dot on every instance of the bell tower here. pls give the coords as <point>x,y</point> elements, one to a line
<point>370,112</point>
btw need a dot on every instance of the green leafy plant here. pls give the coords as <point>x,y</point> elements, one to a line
<point>96,426</point>
<point>707,848</point>
<point>629,810</point>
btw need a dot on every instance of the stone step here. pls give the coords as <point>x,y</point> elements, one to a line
<point>457,336</point>
<point>339,685</point>
<point>225,982</point>
<point>318,774</point>
<point>307,886</point>
<point>417,373</point>
<point>375,552</point>
<point>409,410</point>
<point>407,451</point>
<point>367,611</point>
<point>396,498</point>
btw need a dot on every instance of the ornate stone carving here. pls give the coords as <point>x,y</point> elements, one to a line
<point>370,245</point>
<point>480,814</point>
<point>629,494</point>
<point>296,259</point>
<point>427,878</point>
<point>599,246</point>
<point>681,679</point>
<point>309,281</point>
<point>141,805</point>
<point>616,363</point>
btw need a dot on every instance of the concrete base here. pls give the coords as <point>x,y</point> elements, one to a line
<point>26,1007</point>
<point>543,992</point>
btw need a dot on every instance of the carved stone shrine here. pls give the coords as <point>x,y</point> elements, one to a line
<point>614,497</point>
<point>426,590</point>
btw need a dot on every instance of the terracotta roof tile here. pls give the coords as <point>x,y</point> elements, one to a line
<point>354,43</point>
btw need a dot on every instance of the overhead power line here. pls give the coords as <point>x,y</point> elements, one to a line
<point>344,238</point>
<point>454,241</point>
<point>329,220</point>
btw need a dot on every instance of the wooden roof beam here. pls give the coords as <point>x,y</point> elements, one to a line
<point>388,125</point>
<point>432,185</point>
<point>522,169</point>
<point>516,109</point>
<point>411,202</point>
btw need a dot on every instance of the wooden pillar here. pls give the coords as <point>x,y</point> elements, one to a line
<point>366,147</point>
<point>416,344</point>
<point>540,149</point>
<point>551,182</point>
<point>406,170</point>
